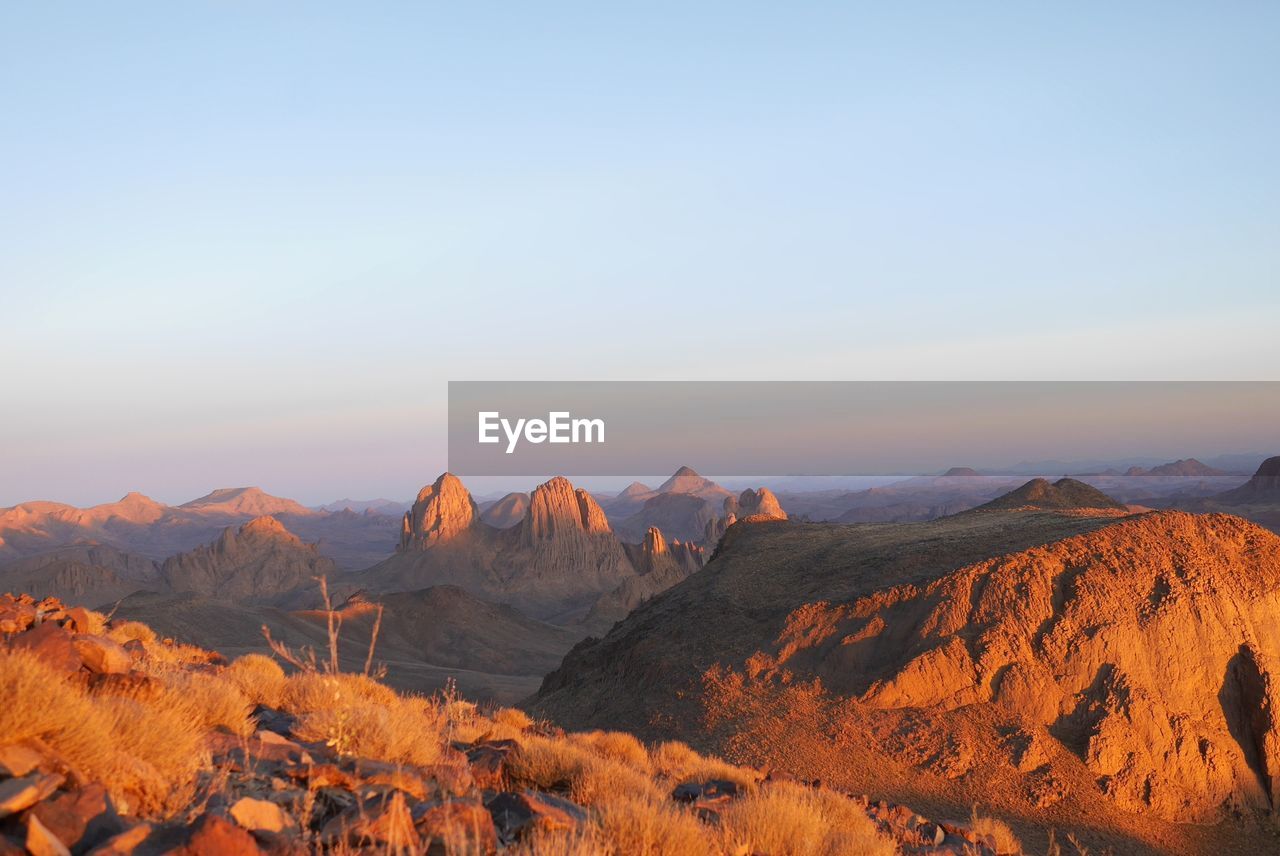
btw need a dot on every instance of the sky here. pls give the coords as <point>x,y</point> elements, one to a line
<point>251,243</point>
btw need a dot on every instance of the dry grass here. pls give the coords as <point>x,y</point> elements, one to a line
<point>405,731</point>
<point>792,820</point>
<point>583,842</point>
<point>126,631</point>
<point>212,700</point>
<point>599,780</point>
<point>547,763</point>
<point>646,827</point>
<point>617,745</point>
<point>675,762</point>
<point>306,692</point>
<point>512,718</point>
<point>259,677</point>
<point>1001,835</point>
<point>146,754</point>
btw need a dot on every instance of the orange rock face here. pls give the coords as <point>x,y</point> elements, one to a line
<point>442,511</point>
<point>1149,649</point>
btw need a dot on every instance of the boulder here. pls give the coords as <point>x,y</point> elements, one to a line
<point>453,822</point>
<point>488,763</point>
<point>387,826</point>
<point>21,794</point>
<point>50,643</point>
<point>101,655</point>
<point>213,835</point>
<point>41,842</point>
<point>515,815</point>
<point>260,815</point>
<point>80,818</point>
<point>123,843</point>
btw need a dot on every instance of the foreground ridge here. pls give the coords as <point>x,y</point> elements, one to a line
<point>114,741</point>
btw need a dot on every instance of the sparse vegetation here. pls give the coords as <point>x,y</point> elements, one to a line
<point>174,728</point>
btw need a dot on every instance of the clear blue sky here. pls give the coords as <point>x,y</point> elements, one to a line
<point>248,243</point>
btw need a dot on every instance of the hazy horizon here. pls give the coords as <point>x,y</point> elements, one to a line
<point>250,245</point>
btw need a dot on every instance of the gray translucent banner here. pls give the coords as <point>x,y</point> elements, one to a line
<point>821,428</point>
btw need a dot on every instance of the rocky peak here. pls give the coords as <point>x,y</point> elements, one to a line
<point>759,503</point>
<point>653,544</point>
<point>442,511</point>
<point>557,508</point>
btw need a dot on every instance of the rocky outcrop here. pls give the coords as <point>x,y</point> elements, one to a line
<point>261,559</point>
<point>761,504</point>
<point>557,509</point>
<point>660,565</point>
<point>680,515</point>
<point>554,564</point>
<point>442,511</point>
<point>1262,488</point>
<point>1126,668</point>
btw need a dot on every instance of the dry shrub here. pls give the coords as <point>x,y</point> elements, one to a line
<point>599,780</point>
<point>1001,835</point>
<point>547,763</point>
<point>406,731</point>
<point>675,762</point>
<point>645,827</point>
<point>786,819</point>
<point>585,841</point>
<point>212,700</point>
<point>145,754</point>
<point>126,631</point>
<point>617,745</point>
<point>313,691</point>
<point>259,677</point>
<point>513,718</point>
<point>166,654</point>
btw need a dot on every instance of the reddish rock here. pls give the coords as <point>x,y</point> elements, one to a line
<point>456,821</point>
<point>80,818</point>
<point>260,815</point>
<point>124,843</point>
<point>488,763</point>
<point>389,825</point>
<point>216,836</point>
<point>20,794</point>
<point>41,842</point>
<point>78,619</point>
<point>19,759</point>
<point>517,814</point>
<point>15,616</point>
<point>101,655</point>
<point>50,643</point>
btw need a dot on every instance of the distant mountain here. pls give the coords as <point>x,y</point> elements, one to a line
<point>83,574</point>
<point>244,500</point>
<point>257,561</point>
<point>1064,494</point>
<point>685,480</point>
<point>1185,467</point>
<point>506,512</point>
<point>376,506</point>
